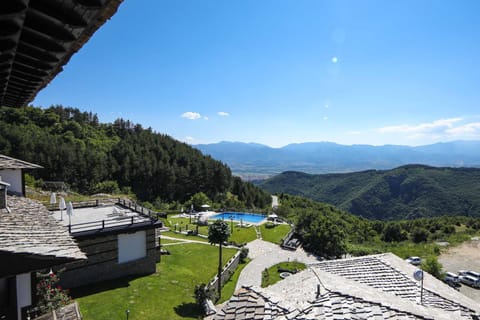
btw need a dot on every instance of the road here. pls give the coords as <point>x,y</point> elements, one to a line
<point>274,201</point>
<point>463,257</point>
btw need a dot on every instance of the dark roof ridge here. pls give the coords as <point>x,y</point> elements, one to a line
<point>7,162</point>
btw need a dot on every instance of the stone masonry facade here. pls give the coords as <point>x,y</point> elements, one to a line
<point>102,263</point>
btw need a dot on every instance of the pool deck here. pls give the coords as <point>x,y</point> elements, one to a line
<point>211,214</point>
<point>234,216</point>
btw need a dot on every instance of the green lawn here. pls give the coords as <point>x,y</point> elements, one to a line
<point>167,294</point>
<point>170,241</point>
<point>182,236</point>
<point>274,234</point>
<point>272,274</point>
<point>239,235</point>
<point>242,235</point>
<point>184,223</point>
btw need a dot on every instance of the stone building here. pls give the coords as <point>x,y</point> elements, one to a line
<point>117,240</point>
<point>370,287</point>
<point>31,240</point>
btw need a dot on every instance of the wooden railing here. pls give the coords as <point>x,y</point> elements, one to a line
<point>145,215</point>
<point>108,223</point>
<point>139,209</point>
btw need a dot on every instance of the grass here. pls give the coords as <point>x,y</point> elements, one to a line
<point>272,274</point>
<point>169,241</point>
<point>407,249</point>
<point>239,235</point>
<point>184,223</point>
<point>167,294</point>
<point>274,234</point>
<point>242,235</point>
<point>182,236</point>
<point>229,287</point>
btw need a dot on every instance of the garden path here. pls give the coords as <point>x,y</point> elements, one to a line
<point>264,255</point>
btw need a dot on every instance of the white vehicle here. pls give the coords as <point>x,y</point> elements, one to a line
<point>469,273</point>
<point>471,281</point>
<point>414,260</point>
<point>451,277</point>
<point>473,274</point>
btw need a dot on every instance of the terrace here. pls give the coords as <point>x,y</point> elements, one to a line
<point>106,216</point>
<point>117,236</point>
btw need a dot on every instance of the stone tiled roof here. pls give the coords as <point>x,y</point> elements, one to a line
<point>27,227</point>
<point>371,287</point>
<point>12,163</point>
<point>333,305</point>
<point>388,273</point>
<point>250,304</point>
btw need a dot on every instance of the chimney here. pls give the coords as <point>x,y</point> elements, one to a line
<point>3,194</point>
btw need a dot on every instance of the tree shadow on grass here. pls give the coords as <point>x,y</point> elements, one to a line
<point>189,310</point>
<point>90,289</point>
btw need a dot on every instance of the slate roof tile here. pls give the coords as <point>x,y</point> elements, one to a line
<point>349,291</point>
<point>28,228</point>
<point>12,163</point>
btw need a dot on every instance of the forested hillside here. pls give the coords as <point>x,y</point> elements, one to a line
<point>406,192</point>
<point>74,147</point>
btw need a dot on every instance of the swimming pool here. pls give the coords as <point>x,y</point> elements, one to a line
<point>240,216</point>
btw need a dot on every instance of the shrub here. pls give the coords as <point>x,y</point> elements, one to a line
<point>50,296</point>
<point>109,186</point>
<point>419,235</point>
<point>29,180</point>
<point>243,254</point>
<point>200,294</point>
<point>393,232</point>
<point>265,277</point>
<point>432,266</point>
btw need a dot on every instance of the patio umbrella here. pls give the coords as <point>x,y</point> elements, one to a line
<point>61,206</point>
<point>273,216</point>
<point>53,198</point>
<point>69,212</point>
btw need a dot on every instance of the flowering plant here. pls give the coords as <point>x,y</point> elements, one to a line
<point>50,295</point>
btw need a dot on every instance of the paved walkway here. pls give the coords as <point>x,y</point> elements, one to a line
<point>264,255</point>
<point>274,201</point>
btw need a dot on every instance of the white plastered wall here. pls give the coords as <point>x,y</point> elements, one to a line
<point>24,292</point>
<point>132,246</point>
<point>14,178</point>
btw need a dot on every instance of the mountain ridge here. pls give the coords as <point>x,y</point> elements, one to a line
<point>261,161</point>
<point>410,191</point>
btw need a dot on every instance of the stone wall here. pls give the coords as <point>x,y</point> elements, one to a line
<point>227,272</point>
<point>102,263</point>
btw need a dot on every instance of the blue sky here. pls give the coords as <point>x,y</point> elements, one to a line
<point>283,71</point>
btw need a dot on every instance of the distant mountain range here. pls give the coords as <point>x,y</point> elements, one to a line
<point>257,161</point>
<point>411,191</point>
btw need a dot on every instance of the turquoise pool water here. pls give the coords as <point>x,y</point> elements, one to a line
<point>240,216</point>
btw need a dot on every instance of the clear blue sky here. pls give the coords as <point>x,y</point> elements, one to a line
<point>283,71</point>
